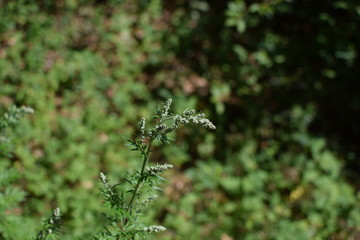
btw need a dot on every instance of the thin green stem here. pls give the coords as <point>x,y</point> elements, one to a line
<point>146,157</point>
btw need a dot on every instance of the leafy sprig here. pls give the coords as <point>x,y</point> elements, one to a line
<point>126,207</point>
<point>51,226</point>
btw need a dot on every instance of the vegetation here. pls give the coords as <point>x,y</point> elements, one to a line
<point>277,78</point>
<point>126,208</point>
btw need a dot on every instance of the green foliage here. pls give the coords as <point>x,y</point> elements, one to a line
<point>302,192</point>
<point>8,121</point>
<point>10,196</point>
<point>279,79</point>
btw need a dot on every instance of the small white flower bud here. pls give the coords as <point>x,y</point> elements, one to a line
<point>201,115</point>
<point>166,108</point>
<point>154,229</point>
<point>103,178</point>
<point>142,127</point>
<point>160,127</point>
<point>27,110</point>
<point>189,112</point>
<point>57,212</point>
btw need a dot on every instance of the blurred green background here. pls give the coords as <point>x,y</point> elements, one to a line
<point>279,78</point>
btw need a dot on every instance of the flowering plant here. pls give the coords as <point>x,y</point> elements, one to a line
<point>126,207</point>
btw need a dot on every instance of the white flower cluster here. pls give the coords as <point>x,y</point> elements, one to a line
<point>199,119</point>
<point>188,116</point>
<point>105,181</point>
<point>154,229</point>
<point>19,112</point>
<point>56,212</point>
<point>54,221</point>
<point>166,107</point>
<point>158,168</point>
<point>55,216</point>
<point>142,127</point>
<point>15,113</point>
<point>27,110</point>
<point>103,178</point>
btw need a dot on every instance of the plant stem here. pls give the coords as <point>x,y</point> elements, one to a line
<point>146,157</point>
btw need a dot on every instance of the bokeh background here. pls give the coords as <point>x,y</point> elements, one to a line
<point>279,78</point>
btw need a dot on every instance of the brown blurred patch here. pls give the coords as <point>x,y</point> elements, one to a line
<point>87,184</point>
<point>6,101</point>
<point>177,76</point>
<point>179,186</point>
<point>15,211</point>
<point>195,83</point>
<point>224,236</point>
<point>103,137</point>
<point>38,152</point>
<point>50,59</point>
<point>291,174</point>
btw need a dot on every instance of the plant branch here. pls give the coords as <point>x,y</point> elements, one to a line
<point>146,157</point>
